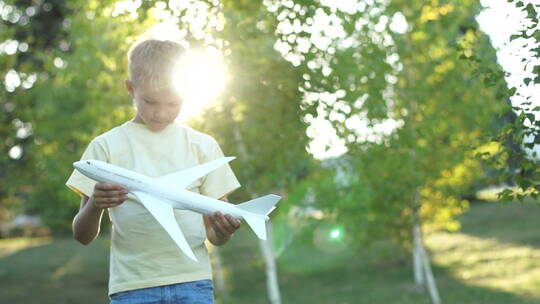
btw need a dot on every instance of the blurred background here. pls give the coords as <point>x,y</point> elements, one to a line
<point>402,135</point>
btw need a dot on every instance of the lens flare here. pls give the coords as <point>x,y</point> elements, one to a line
<point>337,234</point>
<point>200,78</point>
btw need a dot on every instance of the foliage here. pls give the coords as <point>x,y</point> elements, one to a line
<point>24,40</point>
<point>367,76</point>
<point>519,136</point>
<point>397,98</point>
<point>259,116</point>
<point>87,94</point>
<point>79,93</point>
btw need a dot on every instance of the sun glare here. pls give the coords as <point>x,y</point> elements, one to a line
<point>200,78</point>
<point>200,75</point>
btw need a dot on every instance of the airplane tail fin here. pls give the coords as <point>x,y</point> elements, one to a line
<point>261,206</point>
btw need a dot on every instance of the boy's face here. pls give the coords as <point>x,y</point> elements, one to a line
<point>156,108</point>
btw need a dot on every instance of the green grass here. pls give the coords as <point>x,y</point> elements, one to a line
<point>497,250</point>
<point>494,259</point>
<point>59,271</point>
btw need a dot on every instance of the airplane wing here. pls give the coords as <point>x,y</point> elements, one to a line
<point>185,177</point>
<point>164,214</point>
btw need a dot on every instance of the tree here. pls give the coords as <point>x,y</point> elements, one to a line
<point>28,31</point>
<point>394,64</point>
<point>260,113</point>
<point>366,72</point>
<point>516,159</point>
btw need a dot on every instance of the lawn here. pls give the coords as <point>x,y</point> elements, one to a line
<point>495,258</point>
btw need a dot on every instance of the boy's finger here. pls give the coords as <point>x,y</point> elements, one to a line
<point>233,221</point>
<point>216,225</point>
<point>119,193</point>
<point>110,193</point>
<point>112,200</point>
<point>104,186</point>
<point>226,225</point>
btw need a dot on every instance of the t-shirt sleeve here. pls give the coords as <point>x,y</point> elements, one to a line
<point>220,182</point>
<point>79,183</point>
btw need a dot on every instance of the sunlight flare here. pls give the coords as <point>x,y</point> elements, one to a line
<point>200,78</point>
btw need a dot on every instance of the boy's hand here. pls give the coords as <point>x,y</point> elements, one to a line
<point>223,226</point>
<point>109,195</point>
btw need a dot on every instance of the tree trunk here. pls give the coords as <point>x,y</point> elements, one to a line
<point>266,247</point>
<point>267,250</point>
<point>417,259</point>
<point>421,264</point>
<point>432,287</point>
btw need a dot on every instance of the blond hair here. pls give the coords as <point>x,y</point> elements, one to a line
<point>152,62</point>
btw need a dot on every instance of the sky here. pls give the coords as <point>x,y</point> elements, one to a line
<point>500,20</point>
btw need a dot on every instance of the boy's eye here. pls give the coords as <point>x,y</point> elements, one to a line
<point>149,102</point>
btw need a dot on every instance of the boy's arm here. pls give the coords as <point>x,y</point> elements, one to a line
<point>87,221</point>
<point>220,227</point>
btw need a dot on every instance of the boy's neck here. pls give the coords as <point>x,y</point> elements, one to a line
<point>136,120</point>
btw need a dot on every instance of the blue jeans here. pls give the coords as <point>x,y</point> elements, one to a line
<point>197,292</point>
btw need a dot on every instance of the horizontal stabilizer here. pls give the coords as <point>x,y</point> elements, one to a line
<point>257,224</point>
<point>262,205</point>
<point>186,177</point>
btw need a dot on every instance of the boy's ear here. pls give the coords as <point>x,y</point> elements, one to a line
<point>129,87</point>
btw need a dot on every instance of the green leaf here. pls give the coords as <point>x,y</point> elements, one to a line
<point>531,12</point>
<point>514,37</point>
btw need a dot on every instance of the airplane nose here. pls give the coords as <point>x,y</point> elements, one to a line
<point>81,163</point>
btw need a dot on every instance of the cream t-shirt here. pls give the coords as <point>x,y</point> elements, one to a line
<point>142,254</point>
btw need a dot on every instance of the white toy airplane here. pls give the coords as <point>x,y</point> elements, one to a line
<point>161,195</point>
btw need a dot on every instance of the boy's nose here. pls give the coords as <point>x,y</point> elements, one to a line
<point>160,116</point>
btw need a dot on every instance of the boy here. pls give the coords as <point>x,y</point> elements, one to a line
<point>146,266</point>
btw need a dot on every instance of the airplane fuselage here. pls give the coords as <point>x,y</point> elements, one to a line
<point>177,198</point>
